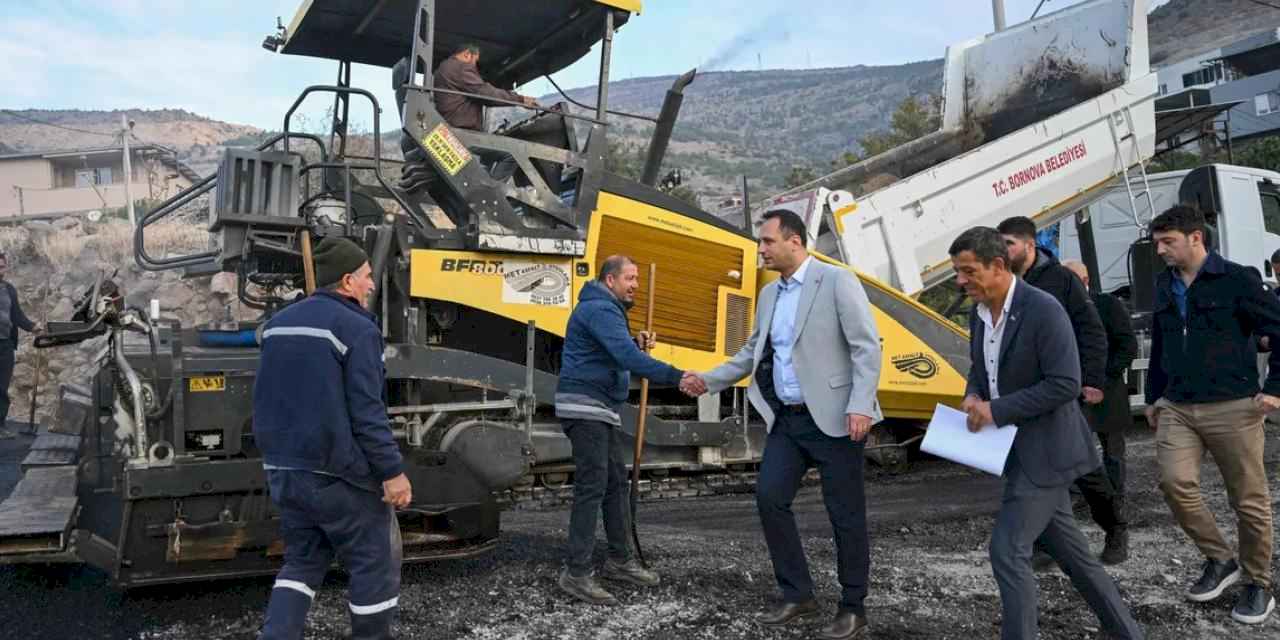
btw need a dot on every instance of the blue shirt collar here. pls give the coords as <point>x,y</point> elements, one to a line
<point>1213,263</point>
<point>797,278</point>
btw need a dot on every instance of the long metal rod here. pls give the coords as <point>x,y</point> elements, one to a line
<point>640,419</point>
<point>449,407</point>
<point>997,13</point>
<point>530,403</point>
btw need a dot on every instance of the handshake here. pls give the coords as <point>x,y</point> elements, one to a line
<point>692,384</point>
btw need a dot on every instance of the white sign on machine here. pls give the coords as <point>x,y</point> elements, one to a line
<point>539,283</point>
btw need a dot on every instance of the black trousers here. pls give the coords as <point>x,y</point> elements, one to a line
<point>1113,452</point>
<point>794,445</point>
<point>6,377</point>
<point>1105,506</point>
<point>599,490</point>
<point>1098,487</point>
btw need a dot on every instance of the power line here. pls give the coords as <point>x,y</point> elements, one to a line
<point>57,126</point>
<point>1266,4</point>
<point>1037,11</point>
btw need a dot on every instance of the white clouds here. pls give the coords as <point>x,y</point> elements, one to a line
<point>22,70</point>
<point>56,60</point>
<point>128,68</point>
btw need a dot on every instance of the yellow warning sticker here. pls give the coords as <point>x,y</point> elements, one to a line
<point>446,149</point>
<point>207,383</point>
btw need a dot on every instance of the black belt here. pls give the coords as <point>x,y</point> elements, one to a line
<point>794,409</point>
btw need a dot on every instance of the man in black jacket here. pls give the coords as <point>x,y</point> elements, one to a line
<point>1203,396</point>
<point>1040,269</point>
<point>11,319</point>
<point>1111,417</point>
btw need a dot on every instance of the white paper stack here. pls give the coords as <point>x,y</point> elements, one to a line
<point>949,437</point>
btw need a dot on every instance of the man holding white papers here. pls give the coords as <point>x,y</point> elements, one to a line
<point>1025,372</point>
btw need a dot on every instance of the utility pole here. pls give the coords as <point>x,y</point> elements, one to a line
<point>997,12</point>
<point>125,128</point>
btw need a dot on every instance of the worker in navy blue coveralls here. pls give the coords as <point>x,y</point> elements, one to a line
<point>595,375</point>
<point>333,467</point>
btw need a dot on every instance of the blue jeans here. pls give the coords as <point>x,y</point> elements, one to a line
<point>322,516</point>
<point>599,487</point>
<point>795,444</point>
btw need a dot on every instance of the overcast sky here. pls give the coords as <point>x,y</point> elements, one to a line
<point>205,55</point>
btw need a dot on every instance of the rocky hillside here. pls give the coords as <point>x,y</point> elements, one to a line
<point>761,123</point>
<point>1183,28</point>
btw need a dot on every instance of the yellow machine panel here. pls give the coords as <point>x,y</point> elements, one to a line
<point>522,287</point>
<point>913,377</point>
<point>706,278</point>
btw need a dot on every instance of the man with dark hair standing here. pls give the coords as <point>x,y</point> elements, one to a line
<point>596,364</point>
<point>1017,335</point>
<point>1203,395</point>
<point>1111,417</point>
<point>1041,270</point>
<point>11,319</point>
<point>333,466</point>
<point>814,358</point>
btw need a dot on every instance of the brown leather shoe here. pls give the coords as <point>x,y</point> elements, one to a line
<point>787,612</point>
<point>845,626</point>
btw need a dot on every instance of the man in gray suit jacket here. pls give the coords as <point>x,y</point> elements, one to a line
<point>1025,372</point>
<point>815,354</point>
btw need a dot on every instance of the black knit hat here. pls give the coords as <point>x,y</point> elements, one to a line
<point>336,257</point>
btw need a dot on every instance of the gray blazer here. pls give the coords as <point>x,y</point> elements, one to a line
<point>836,355</point>
<point>1039,386</point>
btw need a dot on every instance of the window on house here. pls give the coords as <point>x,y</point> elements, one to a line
<point>1267,103</point>
<point>90,177</point>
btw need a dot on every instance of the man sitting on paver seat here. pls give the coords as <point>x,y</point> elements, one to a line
<point>460,72</point>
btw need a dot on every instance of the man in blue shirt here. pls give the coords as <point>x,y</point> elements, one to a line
<point>1203,396</point>
<point>814,357</point>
